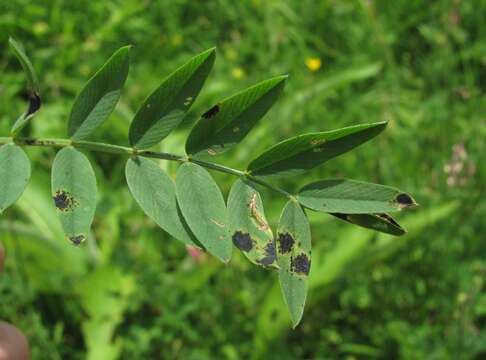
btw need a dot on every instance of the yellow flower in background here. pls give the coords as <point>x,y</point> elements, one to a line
<point>92,44</point>
<point>176,39</point>
<point>313,63</point>
<point>231,54</point>
<point>238,73</point>
<point>40,28</point>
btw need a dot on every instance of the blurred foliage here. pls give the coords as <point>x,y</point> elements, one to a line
<point>132,292</point>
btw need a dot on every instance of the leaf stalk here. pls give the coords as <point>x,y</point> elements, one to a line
<point>128,151</point>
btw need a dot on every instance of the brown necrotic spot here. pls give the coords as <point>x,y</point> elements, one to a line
<point>63,200</point>
<point>242,241</point>
<point>78,239</point>
<point>404,200</point>
<point>300,264</point>
<point>285,243</point>
<point>318,141</point>
<point>211,112</point>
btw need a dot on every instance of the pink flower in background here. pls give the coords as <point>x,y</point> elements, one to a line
<point>460,168</point>
<point>196,253</point>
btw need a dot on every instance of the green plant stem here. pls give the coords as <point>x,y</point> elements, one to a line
<point>124,150</point>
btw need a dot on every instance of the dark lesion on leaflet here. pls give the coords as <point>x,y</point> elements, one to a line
<point>270,255</point>
<point>300,264</point>
<point>64,201</point>
<point>211,112</point>
<point>77,239</point>
<point>285,243</point>
<point>242,241</point>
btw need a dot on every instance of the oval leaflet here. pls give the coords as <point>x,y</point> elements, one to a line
<point>74,193</point>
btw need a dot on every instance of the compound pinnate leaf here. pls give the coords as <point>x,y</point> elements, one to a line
<point>98,98</point>
<point>155,192</point>
<point>74,193</point>
<point>228,122</point>
<point>204,209</point>
<point>294,258</point>
<point>33,91</point>
<point>353,197</point>
<point>379,222</point>
<point>166,107</point>
<point>304,152</point>
<point>249,229</point>
<point>14,174</point>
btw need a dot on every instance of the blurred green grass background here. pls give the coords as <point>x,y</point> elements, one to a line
<point>132,292</point>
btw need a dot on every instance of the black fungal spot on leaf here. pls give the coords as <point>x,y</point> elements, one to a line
<point>285,243</point>
<point>300,264</point>
<point>404,200</point>
<point>270,255</point>
<point>211,112</point>
<point>266,261</point>
<point>270,249</point>
<point>242,241</point>
<point>78,239</point>
<point>63,200</point>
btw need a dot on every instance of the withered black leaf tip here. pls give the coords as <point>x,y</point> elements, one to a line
<point>34,104</point>
<point>405,200</point>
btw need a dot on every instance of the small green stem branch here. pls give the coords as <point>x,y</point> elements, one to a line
<point>124,150</point>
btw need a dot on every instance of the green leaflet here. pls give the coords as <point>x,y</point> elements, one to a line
<point>98,98</point>
<point>353,197</point>
<point>379,222</point>
<point>294,258</point>
<point>304,152</point>
<point>249,229</point>
<point>228,122</point>
<point>166,107</point>
<point>32,82</point>
<point>32,87</point>
<point>74,193</point>
<point>155,192</point>
<point>14,174</point>
<point>204,209</point>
